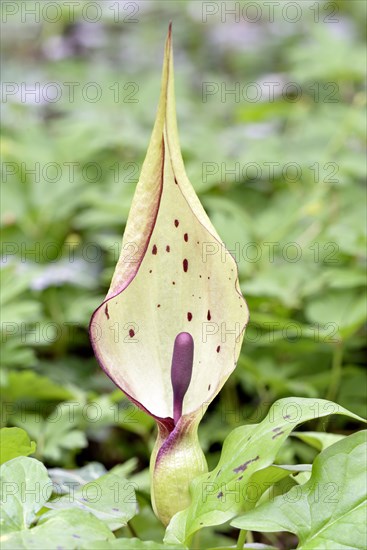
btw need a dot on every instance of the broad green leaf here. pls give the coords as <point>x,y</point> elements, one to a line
<point>329,511</point>
<point>221,494</point>
<point>110,498</point>
<point>68,480</point>
<point>26,384</point>
<point>318,440</point>
<point>130,544</point>
<point>15,442</point>
<point>16,305</point>
<point>343,308</point>
<point>247,546</point>
<point>62,529</point>
<point>264,479</point>
<point>345,278</point>
<point>353,390</point>
<point>58,431</point>
<point>25,487</point>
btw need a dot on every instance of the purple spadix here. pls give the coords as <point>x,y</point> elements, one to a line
<point>181,370</point>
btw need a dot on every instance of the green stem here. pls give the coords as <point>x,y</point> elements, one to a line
<point>241,539</point>
<point>195,541</point>
<point>132,530</point>
<point>335,378</point>
<point>336,372</point>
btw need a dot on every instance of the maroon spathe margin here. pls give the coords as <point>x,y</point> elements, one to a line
<point>172,439</point>
<point>166,422</point>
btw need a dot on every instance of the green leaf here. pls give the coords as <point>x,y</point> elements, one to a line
<point>55,530</point>
<point>67,480</point>
<point>15,442</point>
<point>26,384</point>
<point>220,495</point>
<point>130,544</point>
<point>110,498</point>
<point>328,511</point>
<point>345,309</point>
<point>58,432</point>
<point>248,546</point>
<point>318,440</point>
<point>25,487</point>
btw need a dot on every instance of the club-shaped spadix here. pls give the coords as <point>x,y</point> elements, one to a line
<point>170,329</point>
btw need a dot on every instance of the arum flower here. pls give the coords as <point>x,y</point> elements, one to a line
<point>177,307</point>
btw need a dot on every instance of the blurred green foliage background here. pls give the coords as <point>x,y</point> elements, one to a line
<point>281,176</point>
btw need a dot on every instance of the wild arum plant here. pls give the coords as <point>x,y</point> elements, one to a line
<point>167,303</point>
<point>181,321</point>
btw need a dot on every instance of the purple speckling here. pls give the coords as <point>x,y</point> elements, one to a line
<point>106,311</point>
<point>276,435</point>
<point>243,466</point>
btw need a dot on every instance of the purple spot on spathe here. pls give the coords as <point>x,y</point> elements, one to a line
<point>106,311</point>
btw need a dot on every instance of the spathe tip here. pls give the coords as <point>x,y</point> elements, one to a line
<point>169,37</point>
